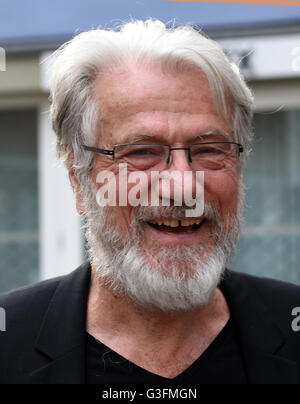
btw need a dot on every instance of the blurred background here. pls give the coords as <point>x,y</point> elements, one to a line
<point>40,232</point>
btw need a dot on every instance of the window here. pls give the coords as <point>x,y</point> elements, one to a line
<point>18,199</point>
<point>270,243</point>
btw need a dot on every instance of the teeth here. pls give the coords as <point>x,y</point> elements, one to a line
<point>176,223</point>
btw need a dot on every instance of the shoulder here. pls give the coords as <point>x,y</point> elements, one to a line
<point>29,297</point>
<point>23,310</point>
<point>25,307</point>
<point>267,286</point>
<point>279,296</point>
<point>58,302</point>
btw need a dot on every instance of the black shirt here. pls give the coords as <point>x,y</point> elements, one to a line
<point>221,363</point>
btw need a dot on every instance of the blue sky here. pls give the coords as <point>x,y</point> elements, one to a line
<point>29,19</point>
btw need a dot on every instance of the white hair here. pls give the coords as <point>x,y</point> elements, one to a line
<point>78,63</point>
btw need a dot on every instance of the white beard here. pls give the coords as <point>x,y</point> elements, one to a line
<point>180,279</point>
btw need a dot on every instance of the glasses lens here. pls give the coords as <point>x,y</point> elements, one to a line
<point>142,157</point>
<point>214,156</point>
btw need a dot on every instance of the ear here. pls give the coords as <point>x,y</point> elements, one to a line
<point>76,189</point>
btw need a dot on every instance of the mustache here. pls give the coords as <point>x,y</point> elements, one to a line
<point>147,213</point>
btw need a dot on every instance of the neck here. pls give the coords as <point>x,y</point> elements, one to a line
<point>110,314</point>
<point>164,343</point>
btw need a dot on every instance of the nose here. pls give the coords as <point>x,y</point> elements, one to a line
<point>177,185</point>
<point>180,157</point>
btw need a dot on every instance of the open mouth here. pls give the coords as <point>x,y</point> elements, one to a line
<point>177,226</point>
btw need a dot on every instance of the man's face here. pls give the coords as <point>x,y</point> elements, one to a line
<point>172,109</point>
<point>169,109</point>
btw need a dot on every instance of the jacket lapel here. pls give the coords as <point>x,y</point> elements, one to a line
<point>260,336</point>
<point>61,338</point>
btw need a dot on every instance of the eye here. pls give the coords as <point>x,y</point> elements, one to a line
<point>208,150</point>
<point>139,152</point>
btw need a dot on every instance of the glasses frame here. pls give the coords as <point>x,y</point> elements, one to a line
<point>111,152</point>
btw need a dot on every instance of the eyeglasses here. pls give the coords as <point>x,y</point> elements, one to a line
<point>208,156</point>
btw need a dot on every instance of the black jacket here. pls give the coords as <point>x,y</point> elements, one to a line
<point>44,341</point>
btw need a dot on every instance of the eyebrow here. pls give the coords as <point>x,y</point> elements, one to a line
<point>137,138</point>
<point>144,136</point>
<point>214,132</point>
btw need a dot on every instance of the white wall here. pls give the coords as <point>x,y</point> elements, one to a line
<point>59,234</point>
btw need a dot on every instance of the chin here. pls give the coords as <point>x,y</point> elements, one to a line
<point>152,273</point>
<point>179,282</point>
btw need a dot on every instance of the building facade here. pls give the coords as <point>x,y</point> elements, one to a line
<point>40,231</point>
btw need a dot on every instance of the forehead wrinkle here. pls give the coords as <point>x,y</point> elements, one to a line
<point>122,104</point>
<point>141,93</point>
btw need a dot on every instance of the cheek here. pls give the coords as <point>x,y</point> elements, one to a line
<point>221,189</point>
<point>119,216</point>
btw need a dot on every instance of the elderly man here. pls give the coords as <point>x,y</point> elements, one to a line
<point>155,303</point>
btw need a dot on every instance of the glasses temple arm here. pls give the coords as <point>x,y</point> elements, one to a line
<point>101,151</point>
